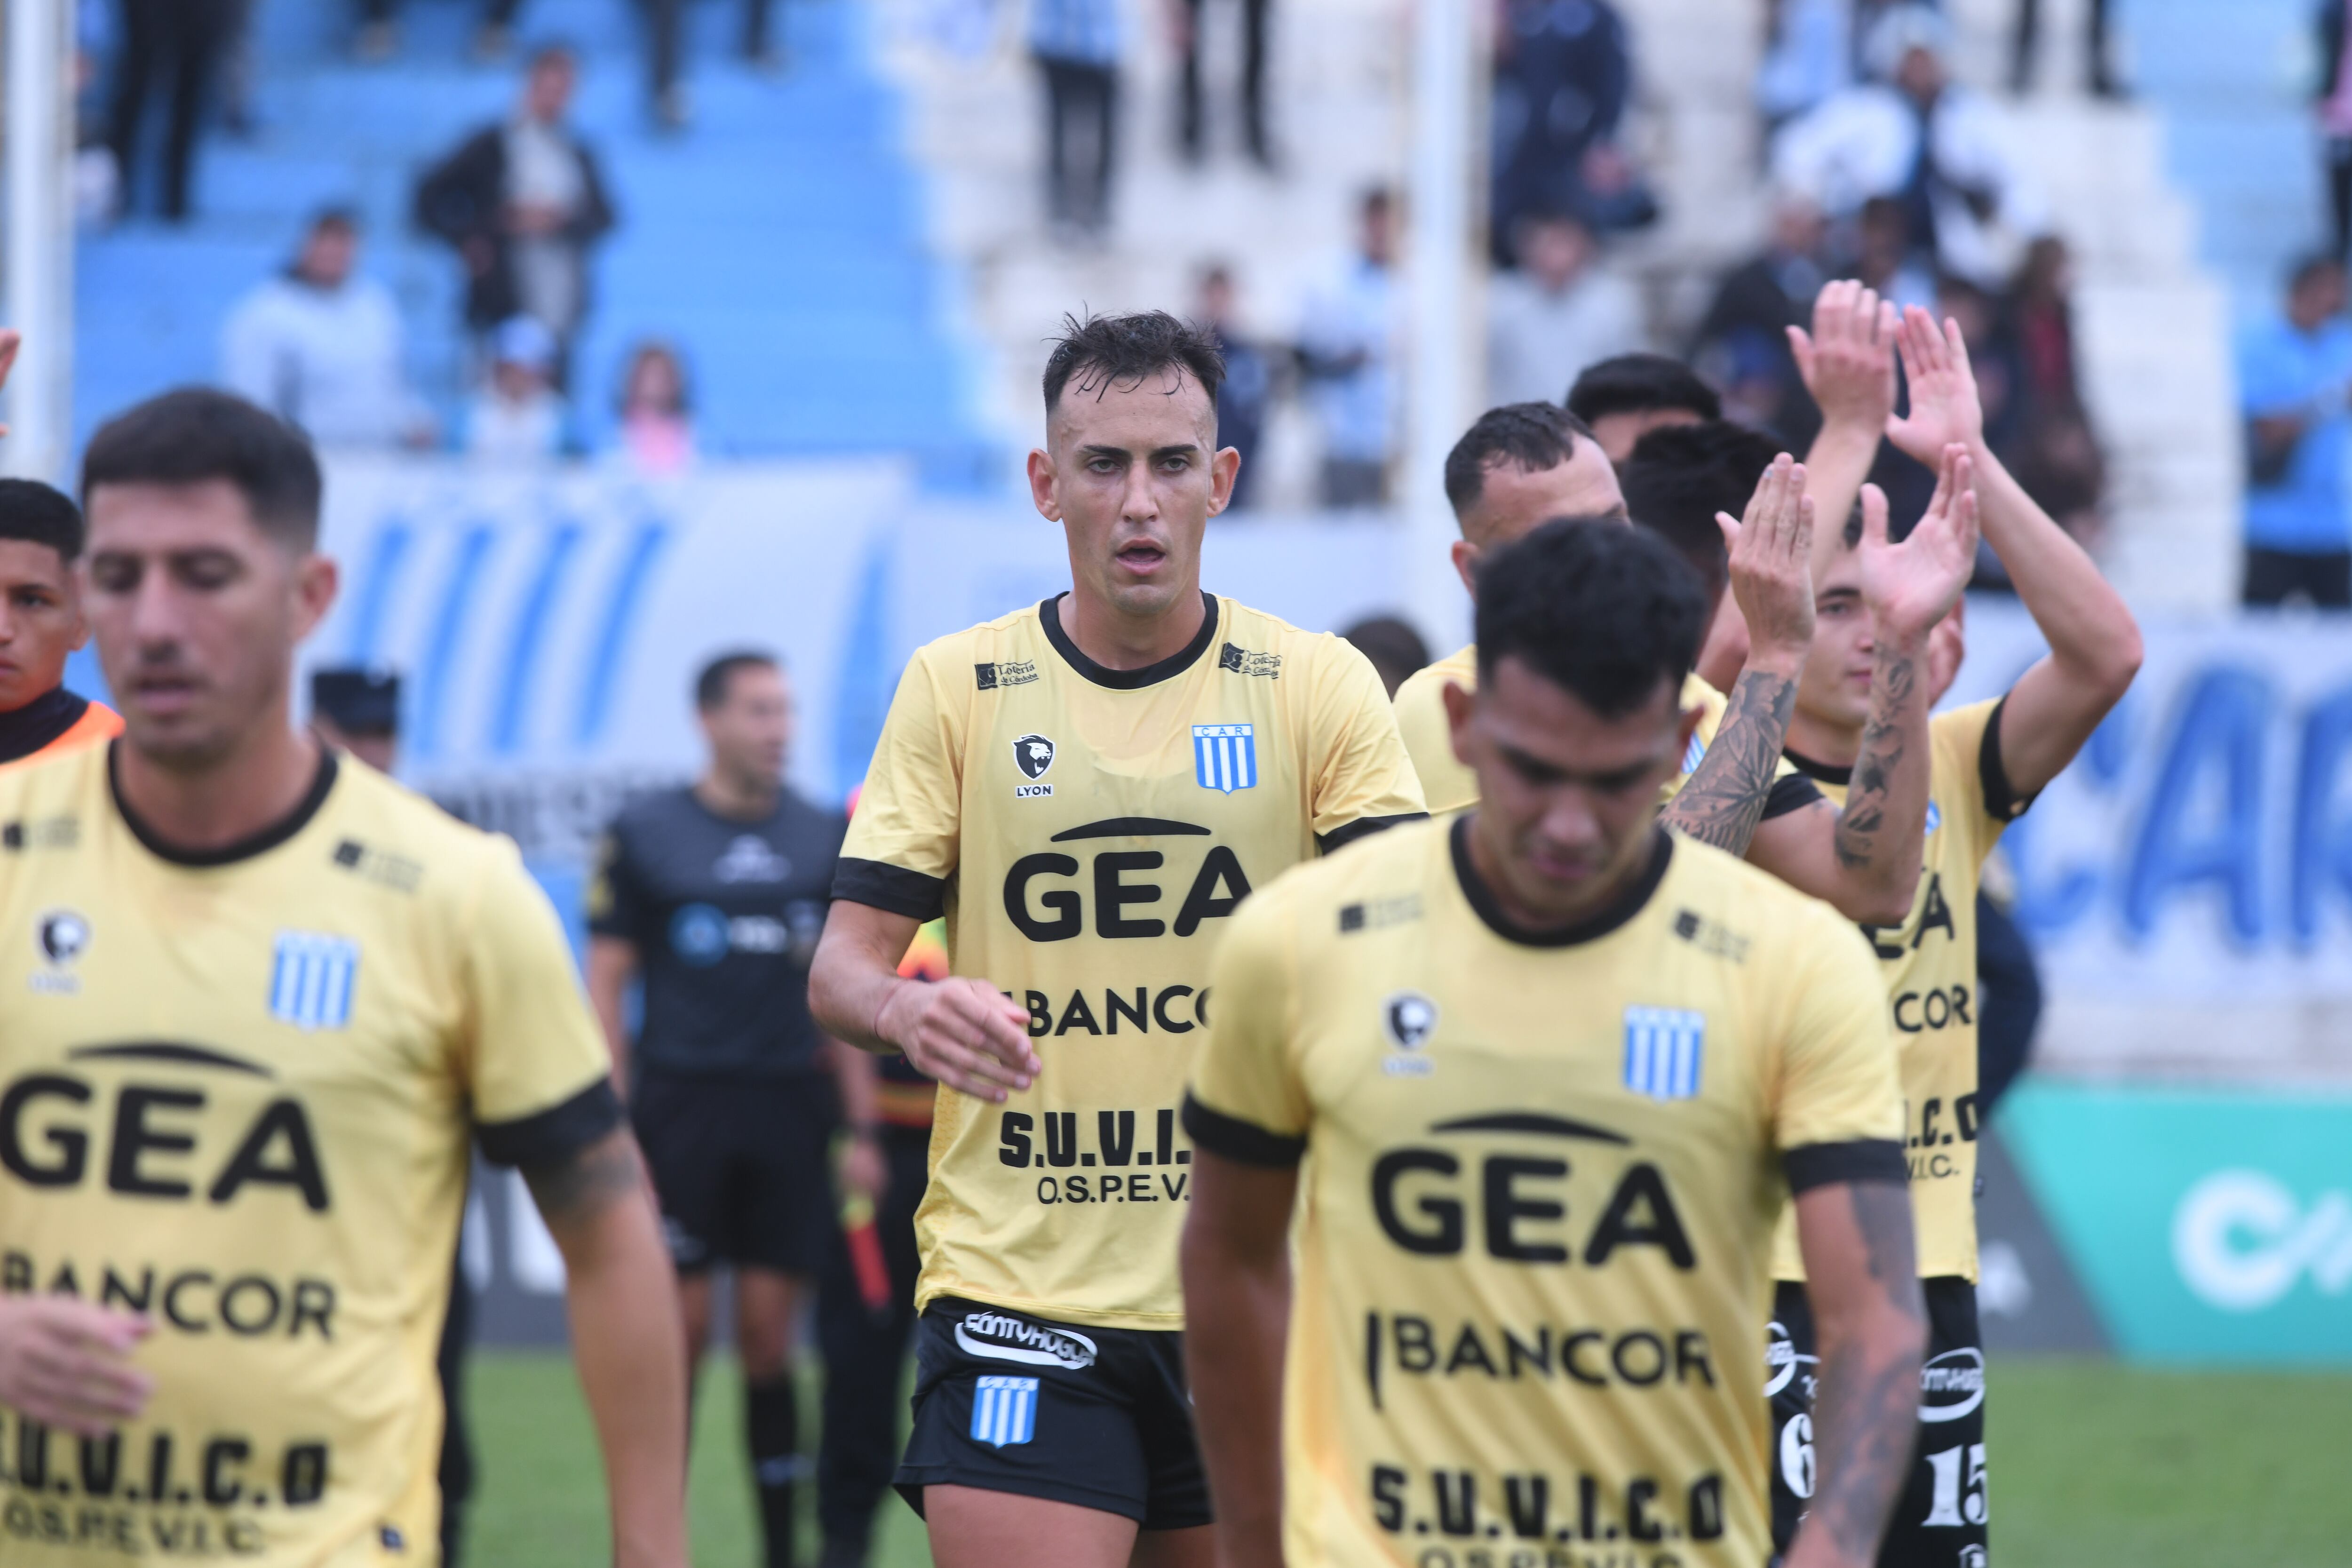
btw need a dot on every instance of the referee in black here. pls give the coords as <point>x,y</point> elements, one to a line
<point>714,895</point>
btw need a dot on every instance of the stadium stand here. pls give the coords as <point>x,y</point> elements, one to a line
<point>779,241</point>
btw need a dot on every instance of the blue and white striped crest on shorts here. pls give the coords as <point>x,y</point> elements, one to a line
<point>313,978</point>
<point>1224,756</point>
<point>1664,1050</point>
<point>1004,1411</point>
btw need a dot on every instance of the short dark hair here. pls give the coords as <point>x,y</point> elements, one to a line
<point>1396,649</point>
<point>1641,383</point>
<point>2307,268</point>
<point>194,434</point>
<point>1104,351</point>
<point>36,514</point>
<point>1680,476</point>
<point>1530,436</point>
<point>711,686</point>
<point>337,215</point>
<point>1604,611</point>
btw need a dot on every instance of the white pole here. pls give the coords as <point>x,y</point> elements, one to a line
<point>1444,365</point>
<point>40,238</point>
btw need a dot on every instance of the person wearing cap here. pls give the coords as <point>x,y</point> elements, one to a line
<point>41,625</point>
<point>1948,154</point>
<point>518,416</point>
<point>357,711</point>
<point>320,347</point>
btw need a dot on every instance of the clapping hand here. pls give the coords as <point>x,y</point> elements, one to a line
<point>1946,410</point>
<point>1848,361</point>
<point>1910,587</point>
<point>1771,562</point>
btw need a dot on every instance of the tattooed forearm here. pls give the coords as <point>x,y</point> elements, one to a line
<point>584,1183</point>
<point>1886,739</point>
<point>1865,1415</point>
<point>1723,801</point>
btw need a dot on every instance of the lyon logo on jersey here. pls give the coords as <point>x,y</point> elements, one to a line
<point>1224,756</point>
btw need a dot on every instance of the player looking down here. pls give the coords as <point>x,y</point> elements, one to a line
<point>1990,759</point>
<point>1523,464</point>
<point>1088,788</point>
<point>275,997</point>
<point>1558,1070</point>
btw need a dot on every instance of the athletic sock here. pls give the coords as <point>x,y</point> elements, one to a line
<point>772,1422</point>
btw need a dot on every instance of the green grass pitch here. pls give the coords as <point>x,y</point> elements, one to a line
<point>2090,1463</point>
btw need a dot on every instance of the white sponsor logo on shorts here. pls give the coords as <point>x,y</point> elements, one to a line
<point>1952,1385</point>
<point>1004,1338</point>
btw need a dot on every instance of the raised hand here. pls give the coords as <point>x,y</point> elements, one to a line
<point>1848,361</point>
<point>1910,587</point>
<point>1772,564</point>
<point>65,1363</point>
<point>1945,407</point>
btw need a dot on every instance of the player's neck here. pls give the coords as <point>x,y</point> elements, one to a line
<point>1487,857</point>
<point>1118,641</point>
<point>736,799</point>
<point>1818,740</point>
<point>259,784</point>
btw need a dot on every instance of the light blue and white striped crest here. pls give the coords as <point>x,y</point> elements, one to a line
<point>1664,1050</point>
<point>311,981</point>
<point>1935,817</point>
<point>1224,756</point>
<point>1692,753</point>
<point>1004,1411</point>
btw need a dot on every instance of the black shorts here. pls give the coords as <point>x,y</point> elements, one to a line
<point>741,1166</point>
<point>1939,1519</point>
<point>1098,1417</point>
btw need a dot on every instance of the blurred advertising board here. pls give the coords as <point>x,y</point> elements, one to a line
<point>2204,1226</point>
<point>2188,880</point>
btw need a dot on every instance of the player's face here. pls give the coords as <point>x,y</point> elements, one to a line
<point>1514,501</point>
<point>750,732</point>
<point>1567,797</point>
<point>1834,689</point>
<point>1619,433</point>
<point>1132,473</point>
<point>40,621</point>
<point>197,612</point>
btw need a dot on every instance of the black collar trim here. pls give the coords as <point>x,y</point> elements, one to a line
<point>1623,908</point>
<point>245,849</point>
<point>1819,773</point>
<point>1049,614</point>
<point>28,729</point>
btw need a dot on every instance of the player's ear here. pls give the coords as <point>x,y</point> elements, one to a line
<point>1224,472</point>
<point>316,581</point>
<point>1041,485</point>
<point>1460,706</point>
<point>1466,566</point>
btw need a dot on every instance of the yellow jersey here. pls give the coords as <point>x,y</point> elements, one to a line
<point>237,1094</point>
<point>1929,964</point>
<point>1088,834</point>
<point>1530,1253</point>
<point>1448,786</point>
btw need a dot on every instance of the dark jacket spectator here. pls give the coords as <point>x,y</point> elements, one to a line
<point>1742,343</point>
<point>1248,389</point>
<point>522,201</point>
<point>1563,75</point>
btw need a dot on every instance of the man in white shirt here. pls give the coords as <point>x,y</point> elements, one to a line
<point>1556,314</point>
<point>319,346</point>
<point>1347,347</point>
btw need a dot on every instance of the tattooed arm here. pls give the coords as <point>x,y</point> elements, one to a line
<point>1871,1327</point>
<point>1771,578</point>
<point>626,1339</point>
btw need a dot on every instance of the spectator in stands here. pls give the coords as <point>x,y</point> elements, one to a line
<point>2025,47</point>
<point>1557,313</point>
<point>2294,374</point>
<point>1808,56</point>
<point>319,346</point>
<point>519,418</point>
<point>665,26</point>
<point>1946,154</point>
<point>1248,388</point>
<point>1742,342</point>
<point>2334,100</point>
<point>1884,258</point>
<point>1562,77</point>
<point>1396,649</point>
<point>1190,131</point>
<point>1346,349</point>
<point>1078,45</point>
<point>522,201</point>
<point>181,41</point>
<point>1623,399</point>
<point>656,418</point>
<point>379,37</point>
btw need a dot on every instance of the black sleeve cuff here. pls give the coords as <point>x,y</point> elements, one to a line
<point>1346,833</point>
<point>879,885</point>
<point>1828,1164</point>
<point>556,1133</point>
<point>1794,793</point>
<point>1243,1142</point>
<point>2002,804</point>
